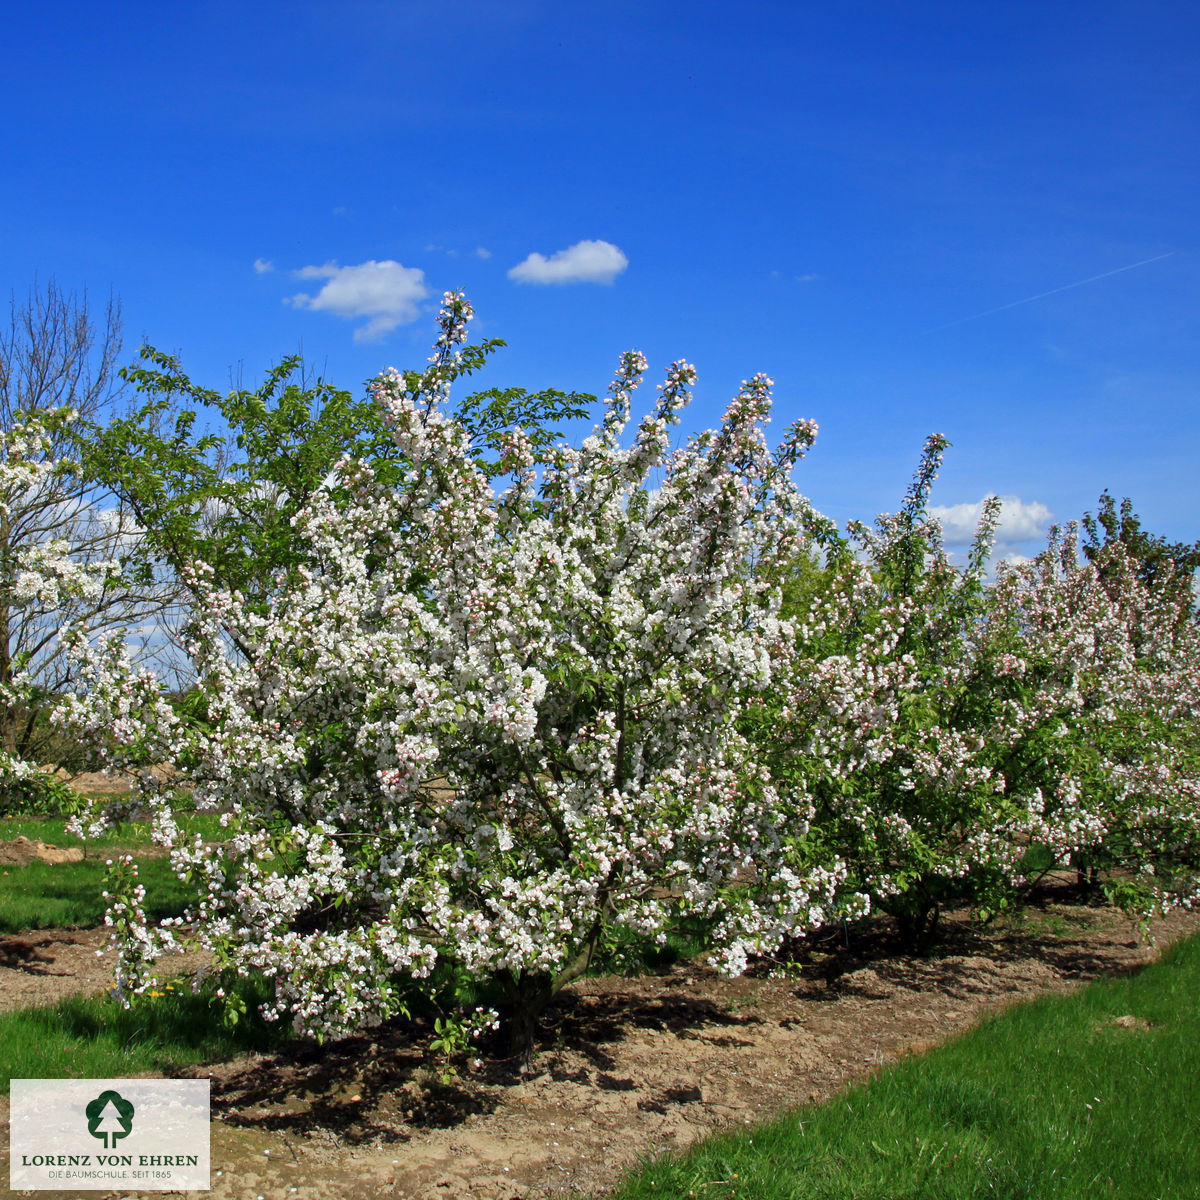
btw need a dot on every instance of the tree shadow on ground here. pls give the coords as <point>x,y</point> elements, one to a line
<point>383,1088</point>
<point>1054,930</point>
<point>386,1087</point>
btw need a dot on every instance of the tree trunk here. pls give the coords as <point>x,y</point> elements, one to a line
<point>918,927</point>
<point>528,995</point>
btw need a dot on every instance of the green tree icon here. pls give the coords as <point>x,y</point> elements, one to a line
<point>109,1116</point>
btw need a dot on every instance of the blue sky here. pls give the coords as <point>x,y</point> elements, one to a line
<point>915,218</point>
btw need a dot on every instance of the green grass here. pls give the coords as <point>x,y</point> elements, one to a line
<point>1050,1101</point>
<point>68,895</point>
<point>53,831</point>
<point>93,1037</point>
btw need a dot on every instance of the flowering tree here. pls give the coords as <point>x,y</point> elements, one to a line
<point>481,731</point>
<point>1117,656</point>
<point>56,570</point>
<point>880,721</point>
<point>944,727</point>
<point>56,548</point>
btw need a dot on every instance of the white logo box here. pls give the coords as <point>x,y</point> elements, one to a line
<point>108,1134</point>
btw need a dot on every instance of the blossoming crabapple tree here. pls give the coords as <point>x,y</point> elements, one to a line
<point>1115,655</point>
<point>484,729</point>
<point>944,727</point>
<point>871,724</point>
<point>47,580</point>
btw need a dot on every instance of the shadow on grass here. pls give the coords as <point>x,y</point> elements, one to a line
<point>69,895</point>
<point>95,1036</point>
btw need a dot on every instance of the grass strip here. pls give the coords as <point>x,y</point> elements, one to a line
<point>53,831</point>
<point>93,1037</point>
<point>68,895</point>
<point>1067,1098</point>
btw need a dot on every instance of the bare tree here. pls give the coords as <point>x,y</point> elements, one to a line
<point>54,354</point>
<point>60,538</point>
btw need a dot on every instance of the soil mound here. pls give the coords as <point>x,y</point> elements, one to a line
<point>20,852</point>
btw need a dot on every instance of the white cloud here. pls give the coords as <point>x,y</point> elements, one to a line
<point>385,292</point>
<point>1009,555</point>
<point>452,252</point>
<point>263,265</point>
<point>809,277</point>
<point>1020,521</point>
<point>584,262</point>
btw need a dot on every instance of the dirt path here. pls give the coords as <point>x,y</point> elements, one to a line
<point>628,1067</point>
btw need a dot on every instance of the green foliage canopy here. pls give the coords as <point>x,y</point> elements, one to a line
<point>218,478</point>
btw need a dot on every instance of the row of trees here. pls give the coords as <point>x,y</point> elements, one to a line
<point>476,702</point>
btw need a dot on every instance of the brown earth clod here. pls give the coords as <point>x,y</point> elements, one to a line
<point>20,852</point>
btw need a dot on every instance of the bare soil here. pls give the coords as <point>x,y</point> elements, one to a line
<point>110,783</point>
<point>43,966</point>
<point>20,852</point>
<point>626,1068</point>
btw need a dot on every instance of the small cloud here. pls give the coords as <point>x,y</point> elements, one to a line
<point>385,292</point>
<point>341,211</point>
<point>263,266</point>
<point>584,262</point>
<point>810,277</point>
<point>452,252</point>
<point>1020,521</point>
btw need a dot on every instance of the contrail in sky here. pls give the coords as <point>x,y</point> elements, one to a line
<point>1066,287</point>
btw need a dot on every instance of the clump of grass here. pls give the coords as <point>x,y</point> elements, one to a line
<point>69,895</point>
<point>1067,1098</point>
<point>94,1037</point>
